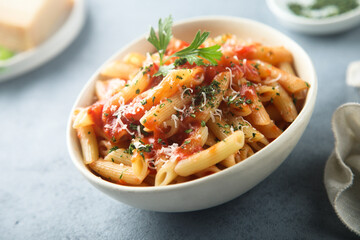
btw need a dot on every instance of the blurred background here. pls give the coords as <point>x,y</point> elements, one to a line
<point>43,196</point>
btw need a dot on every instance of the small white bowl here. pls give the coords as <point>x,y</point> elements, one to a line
<point>33,58</point>
<point>230,183</point>
<point>313,26</point>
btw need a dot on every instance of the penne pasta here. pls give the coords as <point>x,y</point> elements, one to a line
<point>162,119</point>
<point>211,156</point>
<point>88,143</point>
<point>114,172</point>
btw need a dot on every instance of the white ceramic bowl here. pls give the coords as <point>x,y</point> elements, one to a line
<point>232,182</point>
<point>33,58</point>
<point>312,26</point>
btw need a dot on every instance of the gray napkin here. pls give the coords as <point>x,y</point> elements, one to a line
<point>342,170</point>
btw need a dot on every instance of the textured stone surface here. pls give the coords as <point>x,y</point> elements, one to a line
<point>42,196</point>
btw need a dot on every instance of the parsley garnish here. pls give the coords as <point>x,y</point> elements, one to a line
<point>187,142</point>
<point>143,102</point>
<point>113,149</point>
<point>188,130</point>
<point>203,123</point>
<point>192,54</point>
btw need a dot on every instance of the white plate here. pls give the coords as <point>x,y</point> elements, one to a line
<point>28,60</point>
<point>313,26</point>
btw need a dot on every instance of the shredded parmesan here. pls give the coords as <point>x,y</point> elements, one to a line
<point>204,97</point>
<point>273,80</point>
<point>231,80</point>
<point>212,116</point>
<point>182,94</point>
<point>138,131</point>
<point>180,110</point>
<point>175,119</point>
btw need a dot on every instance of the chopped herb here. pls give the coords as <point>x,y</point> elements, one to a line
<point>122,173</point>
<point>192,54</point>
<point>137,91</point>
<point>130,149</point>
<point>106,114</point>
<point>203,123</point>
<point>248,101</point>
<point>169,100</point>
<point>126,85</point>
<point>153,99</point>
<point>155,114</point>
<point>193,115</point>
<point>113,149</point>
<point>143,102</point>
<point>253,134</point>
<point>249,83</point>
<point>113,139</point>
<point>112,160</point>
<point>186,142</point>
<point>89,132</point>
<point>144,121</point>
<point>278,94</point>
<point>307,84</point>
<point>159,140</point>
<point>189,130</point>
<point>162,105</point>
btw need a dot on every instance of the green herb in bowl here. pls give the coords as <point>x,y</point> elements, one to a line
<point>323,8</point>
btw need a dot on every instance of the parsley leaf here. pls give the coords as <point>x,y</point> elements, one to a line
<point>192,54</point>
<point>161,41</point>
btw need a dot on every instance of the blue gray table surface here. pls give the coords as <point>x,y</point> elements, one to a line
<point>43,196</point>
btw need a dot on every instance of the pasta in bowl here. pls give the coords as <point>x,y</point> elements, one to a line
<point>191,117</point>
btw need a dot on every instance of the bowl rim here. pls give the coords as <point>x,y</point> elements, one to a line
<point>307,108</point>
<point>288,16</point>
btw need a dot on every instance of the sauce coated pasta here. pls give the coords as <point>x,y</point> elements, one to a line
<point>169,117</point>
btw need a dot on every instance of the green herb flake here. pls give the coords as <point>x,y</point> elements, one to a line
<point>189,130</point>
<point>113,149</point>
<point>203,123</point>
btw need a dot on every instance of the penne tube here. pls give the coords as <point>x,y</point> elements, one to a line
<point>266,93</point>
<point>88,143</point>
<point>119,156</point>
<point>135,59</point>
<point>104,89</point>
<point>272,55</point>
<point>208,109</point>
<point>220,128</point>
<point>211,140</point>
<point>156,116</point>
<point>257,146</point>
<point>172,83</point>
<point>244,153</point>
<point>284,104</point>
<point>229,161</point>
<point>119,69</point>
<point>166,174</point>
<point>273,113</point>
<point>139,165</point>
<point>259,116</point>
<point>82,119</point>
<point>211,156</point>
<point>251,134</point>
<point>269,131</point>
<point>207,171</point>
<point>118,173</point>
<point>287,67</point>
<point>288,81</point>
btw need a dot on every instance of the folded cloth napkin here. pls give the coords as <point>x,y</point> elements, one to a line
<point>342,170</point>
